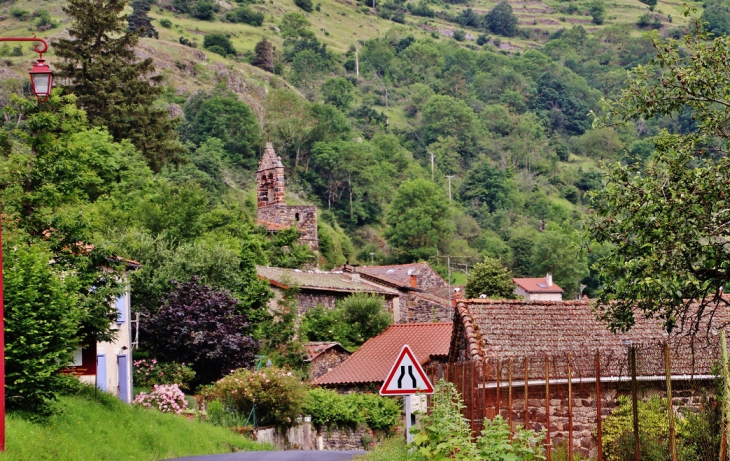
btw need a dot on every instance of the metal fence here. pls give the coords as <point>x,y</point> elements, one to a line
<point>573,393</point>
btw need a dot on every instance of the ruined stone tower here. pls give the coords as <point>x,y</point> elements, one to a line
<point>273,212</point>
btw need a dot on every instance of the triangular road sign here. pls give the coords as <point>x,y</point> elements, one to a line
<point>407,376</point>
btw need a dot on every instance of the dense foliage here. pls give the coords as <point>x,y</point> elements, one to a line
<point>150,372</point>
<point>331,409</point>
<point>491,279</point>
<point>276,394</point>
<point>199,325</point>
<point>354,320</point>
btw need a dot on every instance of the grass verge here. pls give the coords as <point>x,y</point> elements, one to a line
<point>111,430</point>
<point>393,449</point>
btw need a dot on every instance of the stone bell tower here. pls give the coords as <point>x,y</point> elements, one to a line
<point>273,212</point>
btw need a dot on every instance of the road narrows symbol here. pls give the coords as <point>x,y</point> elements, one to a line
<point>403,375</point>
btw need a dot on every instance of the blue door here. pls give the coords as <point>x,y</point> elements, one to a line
<point>123,378</point>
<point>101,372</point>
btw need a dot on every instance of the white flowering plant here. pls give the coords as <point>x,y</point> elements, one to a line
<point>277,394</point>
<point>167,398</point>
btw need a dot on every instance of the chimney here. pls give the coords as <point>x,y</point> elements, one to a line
<point>355,276</point>
<point>414,282</point>
<point>549,279</point>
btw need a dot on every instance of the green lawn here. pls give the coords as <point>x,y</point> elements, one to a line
<point>111,430</point>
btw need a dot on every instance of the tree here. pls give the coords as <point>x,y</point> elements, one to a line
<point>338,92</point>
<point>264,59</point>
<point>198,324</point>
<point>490,278</point>
<point>666,219</point>
<point>294,26</point>
<point>115,89</point>
<point>42,326</point>
<point>140,20</point>
<point>487,186</point>
<point>555,253</point>
<point>717,17</point>
<point>244,14</point>
<point>306,5</point>
<point>418,220</point>
<point>598,10</point>
<point>219,113</point>
<point>219,43</point>
<point>501,20</point>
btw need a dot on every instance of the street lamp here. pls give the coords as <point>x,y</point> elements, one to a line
<point>41,79</point>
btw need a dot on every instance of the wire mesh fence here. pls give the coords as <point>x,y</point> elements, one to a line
<point>652,401</point>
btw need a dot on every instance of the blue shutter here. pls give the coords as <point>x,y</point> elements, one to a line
<point>101,372</point>
<point>123,377</point>
<point>121,304</point>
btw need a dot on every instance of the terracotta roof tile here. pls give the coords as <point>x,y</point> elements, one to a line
<point>271,226</point>
<point>398,274</point>
<point>317,280</point>
<point>372,362</point>
<point>505,328</point>
<point>537,285</point>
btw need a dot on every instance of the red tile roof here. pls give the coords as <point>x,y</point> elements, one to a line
<point>516,329</point>
<point>372,362</point>
<point>538,285</point>
<point>315,349</point>
<point>398,274</point>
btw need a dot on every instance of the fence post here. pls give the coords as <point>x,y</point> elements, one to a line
<point>570,408</point>
<point>547,405</point>
<point>471,397</point>
<point>634,402</point>
<point>668,369</point>
<point>509,399</point>
<point>598,406</point>
<point>499,382</point>
<point>484,390</point>
<point>726,396</point>
<point>527,408</point>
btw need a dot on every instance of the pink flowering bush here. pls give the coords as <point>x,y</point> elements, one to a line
<point>167,398</point>
<point>147,373</point>
<point>277,393</point>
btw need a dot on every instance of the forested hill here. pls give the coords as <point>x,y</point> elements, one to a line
<point>372,111</point>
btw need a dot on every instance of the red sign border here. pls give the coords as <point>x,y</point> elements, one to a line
<point>406,350</point>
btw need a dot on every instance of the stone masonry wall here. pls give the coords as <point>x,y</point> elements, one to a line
<point>421,310</point>
<point>308,299</point>
<point>303,217</point>
<point>325,362</point>
<point>305,437</point>
<point>428,278</point>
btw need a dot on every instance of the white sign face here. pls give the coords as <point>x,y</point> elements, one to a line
<point>407,376</point>
<point>78,359</point>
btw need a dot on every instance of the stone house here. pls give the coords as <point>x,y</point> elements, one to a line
<point>424,294</point>
<point>538,289</point>
<point>321,288</point>
<point>272,211</point>
<point>540,336</point>
<point>367,368</point>
<point>323,357</point>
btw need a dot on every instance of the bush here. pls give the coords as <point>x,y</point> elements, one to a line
<point>218,43</point>
<point>649,21</point>
<point>151,372</point>
<point>421,9</point>
<point>445,433</point>
<point>490,278</point>
<point>328,408</point>
<point>245,15</point>
<point>502,21</point>
<point>354,320</point>
<point>167,398</point>
<point>44,21</point>
<point>166,23</point>
<point>459,35</point>
<point>203,9</point>
<point>306,5</point>
<point>618,436</point>
<point>20,14</point>
<point>277,394</point>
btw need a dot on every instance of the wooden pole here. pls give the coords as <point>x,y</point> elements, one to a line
<point>670,409</point>
<point>484,390</point>
<point>499,381</point>
<point>598,406</point>
<point>634,402</point>
<point>570,408</point>
<point>547,406</point>
<point>527,407</point>
<point>471,398</point>
<point>509,399</point>
<point>726,396</point>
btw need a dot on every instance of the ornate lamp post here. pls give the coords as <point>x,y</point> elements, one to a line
<point>41,79</point>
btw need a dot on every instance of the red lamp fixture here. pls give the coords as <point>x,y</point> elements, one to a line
<point>41,79</point>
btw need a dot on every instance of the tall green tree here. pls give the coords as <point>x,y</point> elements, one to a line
<point>501,20</point>
<point>667,219</point>
<point>114,87</point>
<point>418,220</point>
<point>490,278</point>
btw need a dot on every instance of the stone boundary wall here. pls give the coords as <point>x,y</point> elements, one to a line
<point>306,437</point>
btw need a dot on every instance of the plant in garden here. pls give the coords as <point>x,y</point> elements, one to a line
<point>167,398</point>
<point>618,436</point>
<point>494,443</point>
<point>277,394</point>
<point>147,373</point>
<point>197,324</point>
<point>329,408</point>
<point>490,278</point>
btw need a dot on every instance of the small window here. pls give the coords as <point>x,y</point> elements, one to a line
<point>121,305</point>
<point>296,216</point>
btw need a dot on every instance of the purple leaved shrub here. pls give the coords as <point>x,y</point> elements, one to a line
<point>199,325</point>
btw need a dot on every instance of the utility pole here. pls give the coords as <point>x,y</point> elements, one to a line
<point>432,159</point>
<point>371,259</point>
<point>450,176</point>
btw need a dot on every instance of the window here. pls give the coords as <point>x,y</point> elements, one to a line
<point>121,304</point>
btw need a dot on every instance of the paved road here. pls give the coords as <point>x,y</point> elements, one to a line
<point>293,455</point>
